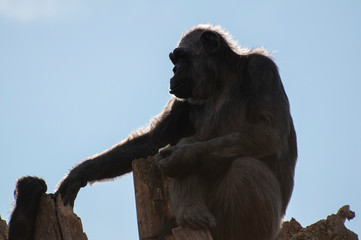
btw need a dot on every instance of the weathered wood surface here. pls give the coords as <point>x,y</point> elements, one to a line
<point>57,222</point>
<point>184,233</point>
<point>155,217</point>
<point>3,230</point>
<point>331,228</point>
<point>153,213</point>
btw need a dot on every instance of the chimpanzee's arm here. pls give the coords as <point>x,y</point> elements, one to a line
<point>171,125</point>
<point>258,141</point>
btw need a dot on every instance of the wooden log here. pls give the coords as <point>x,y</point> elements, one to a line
<point>185,233</point>
<point>70,224</point>
<point>155,216</point>
<point>3,230</point>
<point>46,224</point>
<point>57,222</point>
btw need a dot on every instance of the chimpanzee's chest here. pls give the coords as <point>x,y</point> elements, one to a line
<point>211,124</point>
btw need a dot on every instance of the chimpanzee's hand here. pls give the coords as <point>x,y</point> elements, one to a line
<point>176,161</point>
<point>69,188</point>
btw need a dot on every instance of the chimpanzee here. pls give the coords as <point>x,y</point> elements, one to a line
<point>226,140</point>
<point>27,193</point>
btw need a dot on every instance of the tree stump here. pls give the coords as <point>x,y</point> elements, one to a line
<point>56,221</point>
<point>155,216</point>
<point>3,230</point>
<point>329,229</point>
<point>181,233</point>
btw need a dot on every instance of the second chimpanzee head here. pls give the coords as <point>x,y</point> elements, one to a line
<point>29,187</point>
<point>199,63</point>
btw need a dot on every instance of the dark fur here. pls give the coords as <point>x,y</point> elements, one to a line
<point>232,150</point>
<point>27,194</point>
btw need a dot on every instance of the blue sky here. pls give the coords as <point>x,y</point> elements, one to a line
<point>78,76</point>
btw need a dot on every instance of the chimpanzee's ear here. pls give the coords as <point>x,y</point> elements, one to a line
<point>210,40</point>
